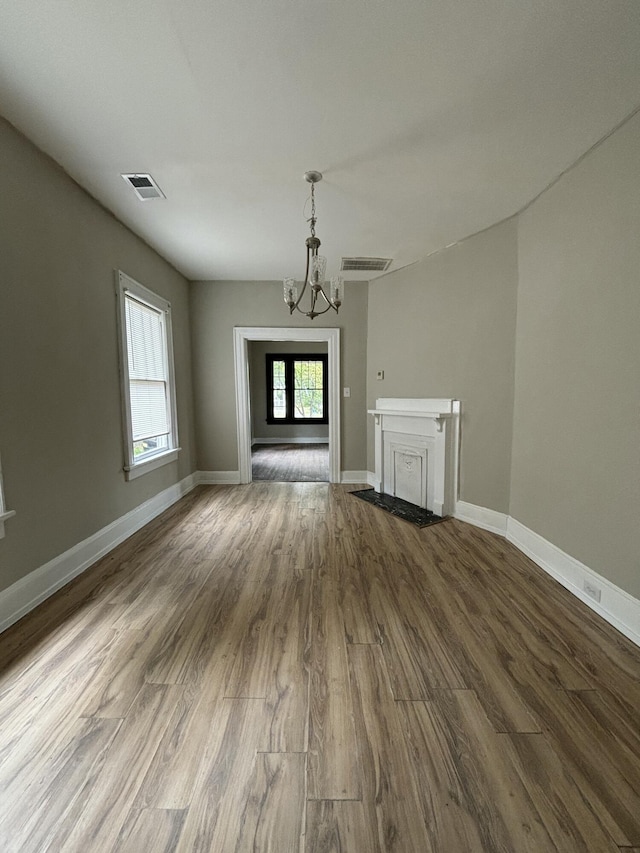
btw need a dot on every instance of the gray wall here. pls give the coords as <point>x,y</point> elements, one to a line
<point>446,328</point>
<point>216,307</point>
<point>576,446</point>
<point>258,384</point>
<point>60,427</point>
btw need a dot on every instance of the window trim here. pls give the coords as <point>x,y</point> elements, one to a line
<point>289,359</point>
<point>132,469</point>
<point>4,512</point>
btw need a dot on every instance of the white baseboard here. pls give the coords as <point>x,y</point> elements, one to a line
<point>353,477</point>
<point>217,478</point>
<point>298,440</point>
<point>615,606</point>
<point>487,519</point>
<point>226,478</point>
<point>37,586</point>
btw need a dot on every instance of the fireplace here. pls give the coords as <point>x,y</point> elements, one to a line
<point>416,450</point>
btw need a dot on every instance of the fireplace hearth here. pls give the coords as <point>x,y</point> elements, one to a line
<point>400,508</point>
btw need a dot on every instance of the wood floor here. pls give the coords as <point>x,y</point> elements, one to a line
<point>284,668</point>
<point>290,463</point>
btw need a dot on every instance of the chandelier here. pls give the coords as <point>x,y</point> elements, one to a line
<point>315,272</point>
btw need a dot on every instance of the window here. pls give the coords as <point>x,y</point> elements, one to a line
<point>148,392</point>
<point>297,389</point>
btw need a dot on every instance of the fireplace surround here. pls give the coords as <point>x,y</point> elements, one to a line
<point>416,450</point>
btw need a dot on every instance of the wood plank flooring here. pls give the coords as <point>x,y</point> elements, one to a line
<point>290,463</point>
<point>281,667</point>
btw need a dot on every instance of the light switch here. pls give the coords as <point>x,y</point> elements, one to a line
<point>347,392</point>
<point>380,374</point>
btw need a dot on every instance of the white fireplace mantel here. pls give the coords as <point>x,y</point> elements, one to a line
<point>416,450</point>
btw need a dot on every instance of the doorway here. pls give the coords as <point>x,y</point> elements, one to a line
<point>289,411</point>
<point>242,336</point>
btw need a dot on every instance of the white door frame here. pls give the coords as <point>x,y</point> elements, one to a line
<point>241,336</point>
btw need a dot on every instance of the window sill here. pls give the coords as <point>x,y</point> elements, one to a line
<point>3,517</point>
<point>132,472</point>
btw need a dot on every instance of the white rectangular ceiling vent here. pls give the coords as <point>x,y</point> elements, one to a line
<point>365,264</point>
<point>144,186</point>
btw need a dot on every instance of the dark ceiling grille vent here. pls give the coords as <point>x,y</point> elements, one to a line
<point>144,186</point>
<point>366,264</point>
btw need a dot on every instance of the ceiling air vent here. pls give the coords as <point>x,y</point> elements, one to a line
<point>144,186</point>
<point>365,264</point>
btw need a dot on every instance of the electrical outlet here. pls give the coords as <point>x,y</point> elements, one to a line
<point>592,590</point>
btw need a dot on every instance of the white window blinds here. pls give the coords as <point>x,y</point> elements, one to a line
<point>146,351</point>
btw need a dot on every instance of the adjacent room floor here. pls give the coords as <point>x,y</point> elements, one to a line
<point>290,463</point>
<point>285,668</point>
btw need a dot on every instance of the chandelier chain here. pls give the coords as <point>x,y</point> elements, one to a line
<point>313,211</point>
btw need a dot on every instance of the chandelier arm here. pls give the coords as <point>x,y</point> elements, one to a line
<point>324,296</point>
<point>324,310</point>
<point>329,305</point>
<point>328,301</point>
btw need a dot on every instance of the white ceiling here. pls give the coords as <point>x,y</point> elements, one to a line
<point>430,119</point>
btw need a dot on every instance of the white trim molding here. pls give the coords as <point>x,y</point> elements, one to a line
<point>4,516</point>
<point>616,606</point>
<point>297,440</point>
<point>217,478</point>
<point>36,587</point>
<point>134,471</point>
<point>355,477</point>
<point>479,516</point>
<point>373,481</point>
<point>241,337</point>
<point>5,513</point>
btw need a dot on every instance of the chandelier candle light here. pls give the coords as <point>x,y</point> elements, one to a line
<point>316,266</point>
